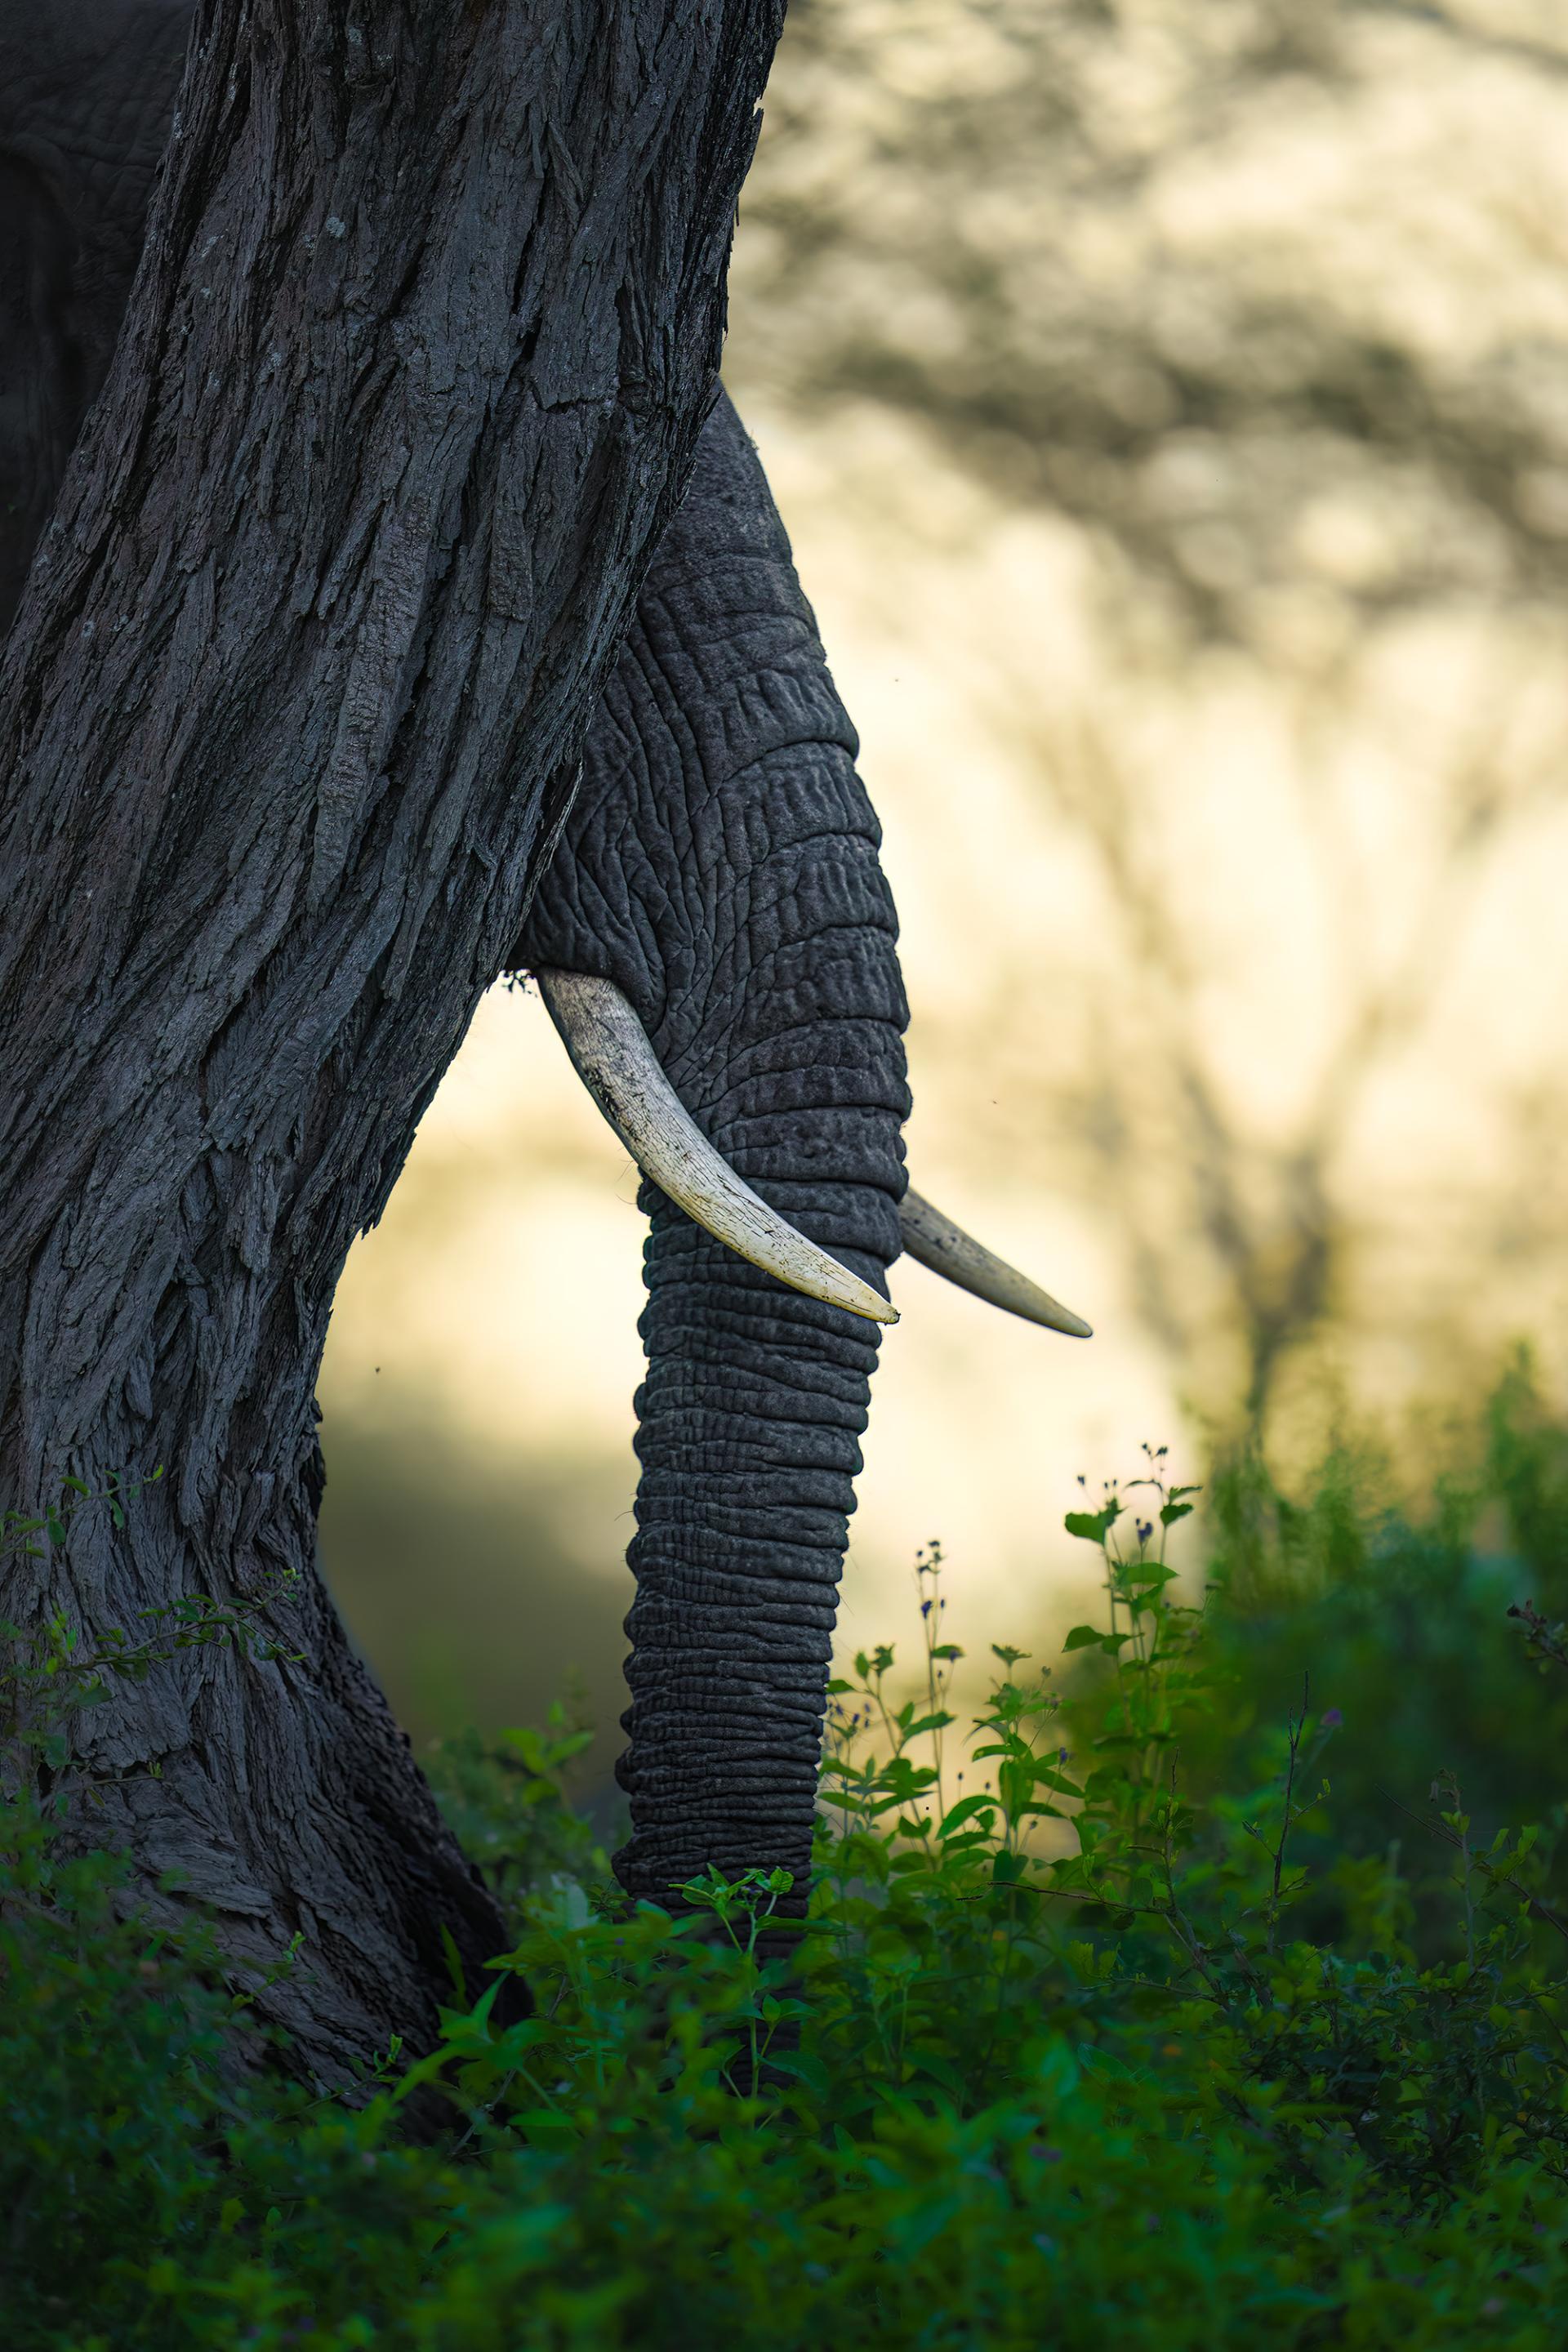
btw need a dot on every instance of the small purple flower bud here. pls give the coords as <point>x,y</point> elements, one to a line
<point>1333,1720</point>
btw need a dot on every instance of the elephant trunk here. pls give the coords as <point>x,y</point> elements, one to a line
<point>749,1422</point>
<point>720,867</point>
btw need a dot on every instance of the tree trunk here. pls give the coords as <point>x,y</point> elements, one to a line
<point>426,328</point>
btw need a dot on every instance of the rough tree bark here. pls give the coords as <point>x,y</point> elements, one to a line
<point>427,322</point>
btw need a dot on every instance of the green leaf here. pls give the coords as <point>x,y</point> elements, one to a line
<point>542,2129</point>
<point>966,1810</point>
<point>1084,1637</point>
<point>801,2064</point>
<point>454,1964</point>
<point>1092,1527</point>
<point>1171,1512</point>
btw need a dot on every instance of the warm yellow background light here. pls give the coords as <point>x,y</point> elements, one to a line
<point>1218,718</point>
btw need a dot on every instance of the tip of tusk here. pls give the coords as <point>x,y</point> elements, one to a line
<point>613,1057</point>
<point>936,1242</point>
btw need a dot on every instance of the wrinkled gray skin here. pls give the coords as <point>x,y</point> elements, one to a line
<point>720,864</point>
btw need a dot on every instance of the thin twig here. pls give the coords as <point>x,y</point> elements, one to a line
<point>1446,1836</point>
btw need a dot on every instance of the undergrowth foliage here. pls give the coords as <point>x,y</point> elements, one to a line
<point>1182,1994</point>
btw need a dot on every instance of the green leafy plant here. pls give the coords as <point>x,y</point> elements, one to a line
<point>506,1797</point>
<point>1102,2026</point>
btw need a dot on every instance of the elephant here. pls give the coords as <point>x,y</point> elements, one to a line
<point>716,942</point>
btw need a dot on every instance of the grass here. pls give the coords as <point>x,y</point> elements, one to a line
<point>1207,1989</point>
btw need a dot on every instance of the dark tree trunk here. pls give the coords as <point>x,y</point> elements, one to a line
<point>426,325</point>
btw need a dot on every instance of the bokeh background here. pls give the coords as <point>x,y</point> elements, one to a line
<point>1168,401</point>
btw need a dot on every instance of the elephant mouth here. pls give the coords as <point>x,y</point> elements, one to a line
<point>614,1058</point>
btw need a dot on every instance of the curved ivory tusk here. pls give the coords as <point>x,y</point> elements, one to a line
<point>616,1061</point>
<point>948,1250</point>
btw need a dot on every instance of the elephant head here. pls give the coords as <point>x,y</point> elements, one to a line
<point>717,944</point>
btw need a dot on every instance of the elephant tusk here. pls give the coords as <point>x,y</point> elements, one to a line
<point>948,1250</point>
<point>614,1057</point>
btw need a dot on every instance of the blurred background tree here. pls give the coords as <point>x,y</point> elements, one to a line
<point>1169,405</point>
<point>1263,307</point>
